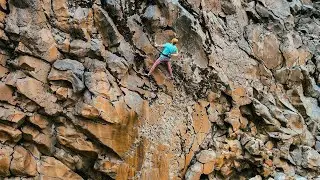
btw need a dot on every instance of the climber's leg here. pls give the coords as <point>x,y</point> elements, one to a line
<point>170,69</point>
<point>155,64</point>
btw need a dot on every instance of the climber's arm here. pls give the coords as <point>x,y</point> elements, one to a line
<point>157,45</point>
<point>175,54</point>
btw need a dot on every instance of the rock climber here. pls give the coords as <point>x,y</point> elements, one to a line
<point>169,50</point>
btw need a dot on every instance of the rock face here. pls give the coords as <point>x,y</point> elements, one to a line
<point>75,102</point>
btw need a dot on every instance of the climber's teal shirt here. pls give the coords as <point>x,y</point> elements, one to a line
<point>168,49</point>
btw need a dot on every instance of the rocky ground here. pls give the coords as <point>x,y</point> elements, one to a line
<point>75,102</point>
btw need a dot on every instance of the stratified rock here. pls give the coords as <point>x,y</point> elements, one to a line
<point>119,137</point>
<point>43,140</point>
<point>36,38</point>
<point>49,167</point>
<point>11,114</point>
<point>39,120</point>
<point>37,68</point>
<point>36,91</point>
<point>23,163</point>
<point>67,136</point>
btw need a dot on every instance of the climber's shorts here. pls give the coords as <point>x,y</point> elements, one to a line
<point>164,59</point>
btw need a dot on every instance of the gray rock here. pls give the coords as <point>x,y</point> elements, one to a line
<point>79,48</point>
<point>67,64</point>
<point>317,146</point>
<point>206,156</point>
<point>280,176</point>
<point>77,84</point>
<point>310,158</point>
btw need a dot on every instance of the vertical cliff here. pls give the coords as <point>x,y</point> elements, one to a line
<point>75,102</point>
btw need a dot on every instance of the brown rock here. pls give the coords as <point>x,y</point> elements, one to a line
<point>79,48</point>
<point>5,160</point>
<point>39,120</point>
<point>97,83</point>
<point>133,100</point>
<point>35,67</point>
<point>60,9</point>
<point>3,71</point>
<point>118,137</point>
<point>87,111</point>
<point>240,95</point>
<point>208,167</point>
<point>109,166</point>
<point>37,92</point>
<point>11,114</point>
<point>292,55</point>
<point>49,167</point>
<point>3,59</point>
<point>23,163</point>
<point>12,78</point>
<point>265,47</point>
<point>201,122</point>
<point>106,109</point>
<point>74,162</point>
<point>9,134</point>
<point>36,38</point>
<point>69,137</point>
<point>6,94</point>
<point>43,140</point>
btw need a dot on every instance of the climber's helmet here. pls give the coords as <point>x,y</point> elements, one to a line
<point>174,41</point>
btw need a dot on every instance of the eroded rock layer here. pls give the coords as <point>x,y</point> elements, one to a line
<point>75,102</point>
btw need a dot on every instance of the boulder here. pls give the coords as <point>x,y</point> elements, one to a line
<point>39,93</point>
<point>6,94</point>
<point>5,160</point>
<point>120,136</point>
<point>206,156</point>
<point>23,163</point>
<point>39,120</point>
<point>79,48</point>
<point>106,26</point>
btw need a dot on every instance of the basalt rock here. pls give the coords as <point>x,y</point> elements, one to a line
<point>75,101</point>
